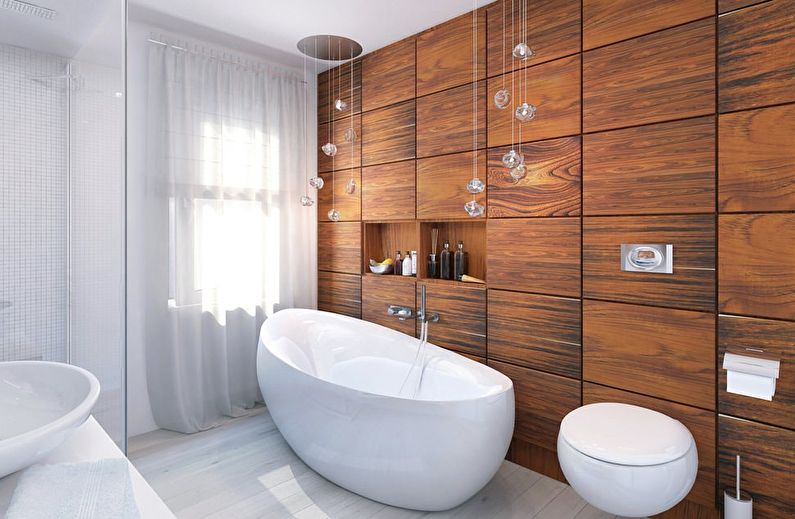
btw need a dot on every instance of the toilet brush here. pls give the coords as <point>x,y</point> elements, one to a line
<point>740,505</point>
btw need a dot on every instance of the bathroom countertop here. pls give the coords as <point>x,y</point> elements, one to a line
<point>90,442</point>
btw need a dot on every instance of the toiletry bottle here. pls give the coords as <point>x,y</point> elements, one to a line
<point>433,266</point>
<point>398,264</point>
<point>444,262</point>
<point>460,261</point>
<point>407,264</point>
<point>413,263</point>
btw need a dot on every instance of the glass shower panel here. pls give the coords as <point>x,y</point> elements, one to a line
<point>62,178</point>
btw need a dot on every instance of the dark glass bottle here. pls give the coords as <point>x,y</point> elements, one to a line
<point>460,261</point>
<point>398,265</point>
<point>444,262</point>
<point>433,266</point>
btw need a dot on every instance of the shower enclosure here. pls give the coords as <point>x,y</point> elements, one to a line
<point>62,190</point>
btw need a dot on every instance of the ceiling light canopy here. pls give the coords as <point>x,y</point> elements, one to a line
<point>329,47</point>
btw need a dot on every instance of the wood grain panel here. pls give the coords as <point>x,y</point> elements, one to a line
<point>552,184</point>
<point>339,247</point>
<point>654,351</point>
<point>348,153</point>
<point>539,332</point>
<point>768,464</point>
<point>378,292</point>
<point>333,192</point>
<point>724,6</point>
<point>472,232</point>
<point>756,161</point>
<point>446,121</point>
<point>539,255</point>
<point>609,21</point>
<point>767,340</point>
<point>536,459</point>
<point>756,56</point>
<point>388,74</point>
<point>552,28</point>
<point>657,169</point>
<point>444,54</point>
<point>553,88</point>
<point>662,76</point>
<point>462,316</point>
<point>442,184</point>
<point>383,240</point>
<point>692,284</point>
<point>542,400</point>
<point>756,265</point>
<point>388,134</point>
<point>335,84</point>
<point>339,293</point>
<point>389,191</point>
<point>699,422</point>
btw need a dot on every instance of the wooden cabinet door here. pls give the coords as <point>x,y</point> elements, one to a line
<point>348,153</point>
<point>553,88</point>
<point>339,247</point>
<point>388,134</point>
<point>462,315</point>
<point>339,293</point>
<point>378,292</point>
<point>447,122</point>
<point>335,84</point>
<point>334,194</point>
<point>756,56</point>
<point>389,74</point>
<point>389,191</point>
<point>442,184</point>
<point>659,77</point>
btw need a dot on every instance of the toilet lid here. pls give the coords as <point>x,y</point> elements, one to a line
<point>625,434</point>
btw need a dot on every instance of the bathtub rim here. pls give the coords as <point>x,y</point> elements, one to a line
<point>507,384</point>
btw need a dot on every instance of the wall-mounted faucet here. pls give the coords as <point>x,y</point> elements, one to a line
<point>404,312</point>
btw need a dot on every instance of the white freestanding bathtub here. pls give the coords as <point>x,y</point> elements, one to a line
<point>331,384</point>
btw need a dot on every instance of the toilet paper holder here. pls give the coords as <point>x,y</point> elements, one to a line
<point>751,376</point>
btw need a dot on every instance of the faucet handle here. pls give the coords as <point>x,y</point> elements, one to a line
<point>401,312</point>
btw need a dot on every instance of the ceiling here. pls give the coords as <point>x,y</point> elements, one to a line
<point>279,24</point>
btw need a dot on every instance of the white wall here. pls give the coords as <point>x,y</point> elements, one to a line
<point>139,412</point>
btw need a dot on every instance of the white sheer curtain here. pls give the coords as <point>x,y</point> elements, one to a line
<point>228,241</point>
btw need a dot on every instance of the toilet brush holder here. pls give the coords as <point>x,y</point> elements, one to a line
<point>734,508</point>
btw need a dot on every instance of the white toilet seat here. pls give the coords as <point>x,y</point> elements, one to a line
<point>627,460</point>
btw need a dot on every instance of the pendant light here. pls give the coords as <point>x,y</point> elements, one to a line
<point>475,186</point>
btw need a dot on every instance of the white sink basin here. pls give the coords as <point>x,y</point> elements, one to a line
<point>41,404</point>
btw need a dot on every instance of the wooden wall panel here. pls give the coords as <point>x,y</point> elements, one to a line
<point>699,422</point>
<point>768,464</point>
<point>659,352</point>
<point>609,21</point>
<point>378,292</point>
<point>389,191</point>
<point>757,265</point>
<point>542,400</point>
<point>442,184</point>
<point>767,340</point>
<point>657,169</point>
<point>335,84</point>
<point>348,153</point>
<point>540,255</point>
<point>756,169</point>
<point>539,332</point>
<point>536,459</point>
<point>692,284</point>
<point>388,134</point>
<point>552,184</point>
<point>339,247</point>
<point>554,88</point>
<point>339,293</point>
<point>724,6</point>
<point>756,56</point>
<point>462,310</point>
<point>446,121</point>
<point>662,76</point>
<point>444,54</point>
<point>349,205</point>
<point>389,75</point>
<point>552,28</point>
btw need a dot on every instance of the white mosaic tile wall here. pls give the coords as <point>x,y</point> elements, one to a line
<point>33,206</point>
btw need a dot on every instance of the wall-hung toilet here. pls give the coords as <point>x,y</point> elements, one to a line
<point>627,460</point>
